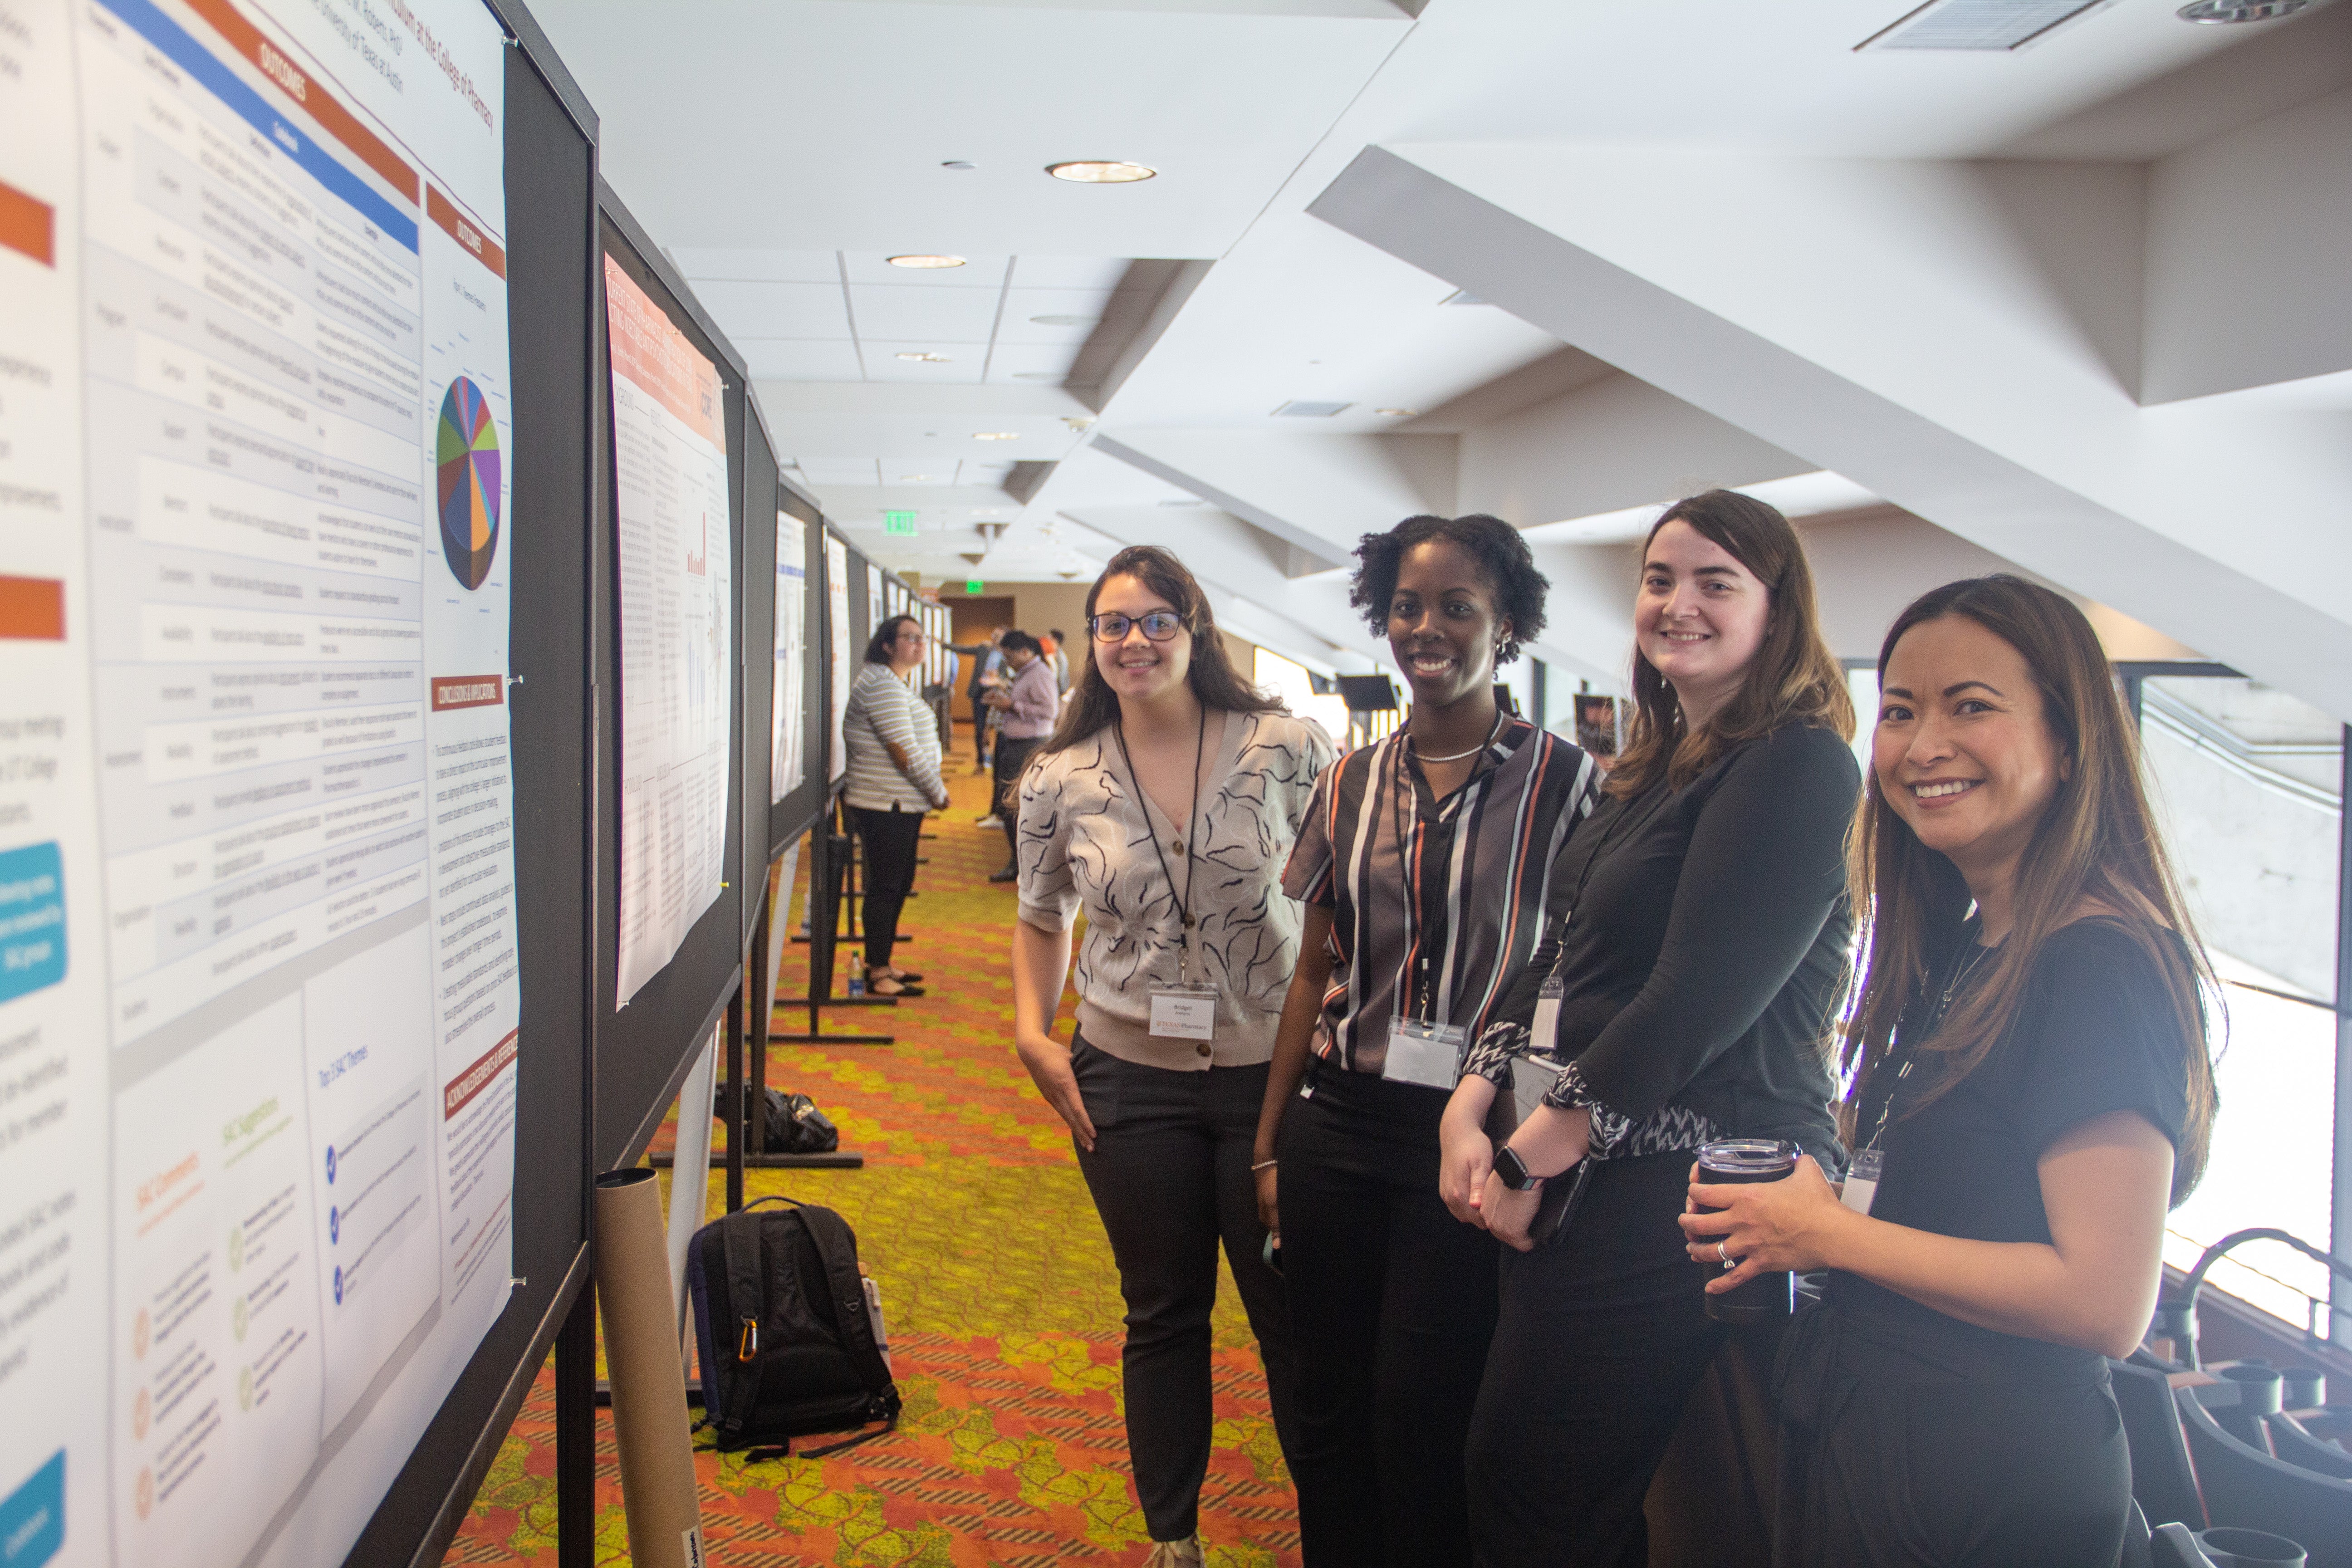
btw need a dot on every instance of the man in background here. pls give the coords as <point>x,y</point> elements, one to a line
<point>1027,706</point>
<point>1058,649</point>
<point>987,665</point>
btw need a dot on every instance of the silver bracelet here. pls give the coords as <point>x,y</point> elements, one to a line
<point>1263,1166</point>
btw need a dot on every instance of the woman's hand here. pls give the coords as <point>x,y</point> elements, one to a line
<point>1767,1227</point>
<point>1048,1061</point>
<point>1508,1213</point>
<point>1269,1214</point>
<point>1466,1154</point>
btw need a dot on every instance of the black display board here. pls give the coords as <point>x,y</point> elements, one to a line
<point>550,239</point>
<point>790,818</point>
<point>643,1050</point>
<point>756,602</point>
<point>861,610</point>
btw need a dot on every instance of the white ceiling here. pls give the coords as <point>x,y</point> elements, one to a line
<point>822,130</point>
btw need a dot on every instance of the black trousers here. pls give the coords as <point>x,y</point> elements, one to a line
<point>1897,1453</point>
<point>1169,1174</point>
<point>1603,1336</point>
<point>891,839</point>
<point>1012,756</point>
<point>1392,1305</point>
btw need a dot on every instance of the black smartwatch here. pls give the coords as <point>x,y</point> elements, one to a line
<point>1514,1171</point>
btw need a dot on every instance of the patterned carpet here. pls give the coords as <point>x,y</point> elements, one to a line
<point>1001,1296</point>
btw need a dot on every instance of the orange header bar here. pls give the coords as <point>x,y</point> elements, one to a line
<point>33,609</point>
<point>331,116</point>
<point>461,229</point>
<point>27,224</point>
<point>649,350</point>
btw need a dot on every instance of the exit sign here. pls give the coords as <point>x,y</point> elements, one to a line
<point>975,589</point>
<point>899,522</point>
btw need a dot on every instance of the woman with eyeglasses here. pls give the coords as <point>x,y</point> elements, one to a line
<point>893,780</point>
<point>1163,805</point>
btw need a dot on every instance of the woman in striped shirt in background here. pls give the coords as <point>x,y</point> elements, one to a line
<point>1422,864</point>
<point>894,779</point>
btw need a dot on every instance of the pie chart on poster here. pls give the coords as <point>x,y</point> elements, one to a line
<point>467,451</point>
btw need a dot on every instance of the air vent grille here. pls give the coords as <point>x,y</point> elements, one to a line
<point>1978,27</point>
<point>1298,410</point>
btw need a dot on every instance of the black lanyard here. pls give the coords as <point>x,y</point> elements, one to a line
<point>1902,1058</point>
<point>1191,811</point>
<point>1407,881</point>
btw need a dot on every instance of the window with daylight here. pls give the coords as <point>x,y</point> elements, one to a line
<point>2248,783</point>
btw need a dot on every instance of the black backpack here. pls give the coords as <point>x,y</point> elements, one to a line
<point>791,1123</point>
<point>782,1331</point>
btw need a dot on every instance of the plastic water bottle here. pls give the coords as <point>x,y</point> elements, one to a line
<point>857,985</point>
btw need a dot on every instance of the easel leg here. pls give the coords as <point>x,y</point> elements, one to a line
<point>575,1434</point>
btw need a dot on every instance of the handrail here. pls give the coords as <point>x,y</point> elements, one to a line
<point>2178,1317</point>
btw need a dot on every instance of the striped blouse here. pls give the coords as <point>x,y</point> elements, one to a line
<point>1439,925</point>
<point>885,709</point>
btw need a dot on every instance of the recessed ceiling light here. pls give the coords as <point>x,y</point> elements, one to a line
<point>1037,375</point>
<point>996,435</point>
<point>2226,11</point>
<point>1398,413</point>
<point>926,261</point>
<point>914,478</point>
<point>957,164</point>
<point>924,357</point>
<point>1064,320</point>
<point>1300,408</point>
<point>1101,171</point>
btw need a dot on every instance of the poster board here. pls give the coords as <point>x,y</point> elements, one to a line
<point>756,585</point>
<point>645,1048</point>
<point>674,514</point>
<point>841,649</point>
<point>257,669</point>
<point>798,517</point>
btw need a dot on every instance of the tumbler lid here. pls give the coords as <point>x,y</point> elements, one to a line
<point>1749,1156</point>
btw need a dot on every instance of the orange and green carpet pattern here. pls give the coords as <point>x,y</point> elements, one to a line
<point>999,1288</point>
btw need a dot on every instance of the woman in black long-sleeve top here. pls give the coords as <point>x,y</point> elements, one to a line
<point>1693,982</point>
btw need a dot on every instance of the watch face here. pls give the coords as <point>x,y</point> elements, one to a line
<point>1511,1168</point>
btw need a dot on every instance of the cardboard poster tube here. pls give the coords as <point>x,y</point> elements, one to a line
<point>649,1376</point>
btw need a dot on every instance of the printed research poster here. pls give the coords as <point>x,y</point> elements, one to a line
<point>788,767</point>
<point>672,511</point>
<point>258,986</point>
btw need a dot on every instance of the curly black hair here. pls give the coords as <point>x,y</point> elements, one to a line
<point>1503,559</point>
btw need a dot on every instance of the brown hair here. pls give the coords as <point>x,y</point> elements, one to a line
<point>1793,679</point>
<point>1093,705</point>
<point>2096,840</point>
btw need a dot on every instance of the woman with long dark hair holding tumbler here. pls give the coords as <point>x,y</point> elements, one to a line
<point>893,780</point>
<point>2032,1093</point>
<point>1686,998</point>
<point>1163,806</point>
<point>1422,868</point>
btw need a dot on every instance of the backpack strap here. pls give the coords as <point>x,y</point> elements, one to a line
<point>738,1340</point>
<point>838,1247</point>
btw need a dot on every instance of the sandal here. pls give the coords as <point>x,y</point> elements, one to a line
<point>876,988</point>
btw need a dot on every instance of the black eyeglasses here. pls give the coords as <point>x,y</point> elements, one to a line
<point>1159,626</point>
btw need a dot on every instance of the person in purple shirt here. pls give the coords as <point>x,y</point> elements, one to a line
<point>1027,706</point>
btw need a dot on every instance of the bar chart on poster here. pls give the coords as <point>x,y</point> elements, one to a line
<point>672,512</point>
<point>260,995</point>
<point>790,765</point>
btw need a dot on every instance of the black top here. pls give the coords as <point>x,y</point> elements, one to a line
<point>2094,1032</point>
<point>1706,941</point>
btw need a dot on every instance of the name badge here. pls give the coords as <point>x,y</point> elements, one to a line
<point>1544,1034</point>
<point>1424,1053</point>
<point>1862,1179</point>
<point>1183,1011</point>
